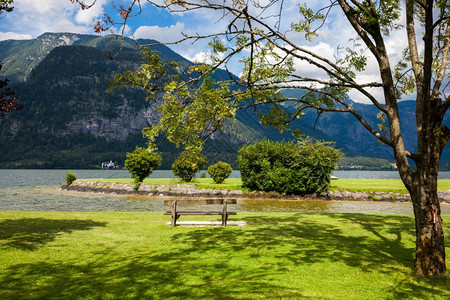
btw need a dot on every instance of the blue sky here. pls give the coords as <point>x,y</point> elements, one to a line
<point>32,18</point>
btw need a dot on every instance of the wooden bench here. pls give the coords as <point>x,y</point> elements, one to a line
<point>175,213</point>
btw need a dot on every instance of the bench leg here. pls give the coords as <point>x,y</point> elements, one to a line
<point>224,213</point>
<point>174,213</point>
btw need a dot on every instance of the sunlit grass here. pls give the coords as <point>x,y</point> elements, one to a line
<point>348,184</point>
<point>201,183</point>
<point>382,185</point>
<point>368,185</point>
<point>61,255</point>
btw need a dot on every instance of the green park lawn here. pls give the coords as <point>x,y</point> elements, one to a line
<point>366,185</point>
<point>70,255</point>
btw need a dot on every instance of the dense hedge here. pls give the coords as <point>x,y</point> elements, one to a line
<point>287,167</point>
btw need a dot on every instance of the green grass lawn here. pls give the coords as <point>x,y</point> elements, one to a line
<point>201,183</point>
<point>62,255</point>
<point>350,184</point>
<point>383,185</point>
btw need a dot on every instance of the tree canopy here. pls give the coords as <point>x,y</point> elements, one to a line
<point>276,57</point>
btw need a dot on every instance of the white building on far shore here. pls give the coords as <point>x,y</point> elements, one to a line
<point>109,165</point>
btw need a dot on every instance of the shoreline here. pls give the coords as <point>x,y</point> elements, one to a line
<point>189,190</point>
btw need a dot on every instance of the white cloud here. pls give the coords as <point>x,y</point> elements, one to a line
<point>304,68</point>
<point>88,16</point>
<point>45,8</point>
<point>161,34</point>
<point>127,30</point>
<point>202,57</point>
<point>14,36</point>
<point>31,18</point>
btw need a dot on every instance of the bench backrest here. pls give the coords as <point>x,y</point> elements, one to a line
<point>215,201</point>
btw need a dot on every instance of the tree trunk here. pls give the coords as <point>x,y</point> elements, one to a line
<point>430,247</point>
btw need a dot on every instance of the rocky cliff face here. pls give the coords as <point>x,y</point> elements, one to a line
<point>120,128</point>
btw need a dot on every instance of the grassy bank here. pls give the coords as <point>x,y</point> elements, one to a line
<point>277,255</point>
<point>352,185</point>
<point>383,185</point>
<point>201,183</point>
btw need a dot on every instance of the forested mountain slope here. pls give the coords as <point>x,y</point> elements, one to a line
<point>71,121</point>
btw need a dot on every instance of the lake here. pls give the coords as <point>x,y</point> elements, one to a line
<point>37,190</point>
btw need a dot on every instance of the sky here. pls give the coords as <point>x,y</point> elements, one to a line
<point>32,18</point>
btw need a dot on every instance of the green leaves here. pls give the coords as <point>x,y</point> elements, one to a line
<point>219,171</point>
<point>307,18</point>
<point>188,116</point>
<point>70,177</point>
<point>148,77</point>
<point>286,167</point>
<point>188,163</point>
<point>193,106</point>
<point>141,164</point>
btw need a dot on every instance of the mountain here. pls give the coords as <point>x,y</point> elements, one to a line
<point>70,121</point>
<point>20,57</point>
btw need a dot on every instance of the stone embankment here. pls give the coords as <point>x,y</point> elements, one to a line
<point>189,190</point>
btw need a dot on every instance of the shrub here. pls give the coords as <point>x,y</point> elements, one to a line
<point>287,167</point>
<point>187,164</point>
<point>219,171</point>
<point>70,177</point>
<point>141,163</point>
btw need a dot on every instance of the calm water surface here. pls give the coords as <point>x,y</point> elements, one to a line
<point>37,190</point>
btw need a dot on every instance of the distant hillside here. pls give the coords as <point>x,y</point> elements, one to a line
<point>346,129</point>
<point>70,121</point>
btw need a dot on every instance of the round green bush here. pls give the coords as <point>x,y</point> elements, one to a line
<point>141,164</point>
<point>187,164</point>
<point>219,171</point>
<point>298,168</point>
<point>70,177</point>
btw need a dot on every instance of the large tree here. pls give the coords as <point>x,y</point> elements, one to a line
<point>254,32</point>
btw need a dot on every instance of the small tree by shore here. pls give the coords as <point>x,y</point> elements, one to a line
<point>188,164</point>
<point>141,164</point>
<point>70,177</point>
<point>219,171</point>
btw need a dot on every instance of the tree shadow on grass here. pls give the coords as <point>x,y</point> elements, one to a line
<point>32,233</point>
<point>172,275</point>
<point>383,244</point>
<point>206,262</point>
<point>391,232</point>
<point>308,241</point>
